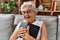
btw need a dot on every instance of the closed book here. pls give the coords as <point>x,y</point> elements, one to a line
<point>33,30</point>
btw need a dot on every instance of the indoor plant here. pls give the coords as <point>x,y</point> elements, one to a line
<point>46,7</point>
<point>8,7</point>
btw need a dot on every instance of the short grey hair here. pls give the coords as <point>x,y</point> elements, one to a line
<point>29,3</point>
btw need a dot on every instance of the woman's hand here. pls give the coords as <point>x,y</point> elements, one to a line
<point>24,33</point>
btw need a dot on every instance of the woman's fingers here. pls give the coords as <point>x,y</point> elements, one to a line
<point>22,31</point>
<point>21,35</point>
<point>28,29</point>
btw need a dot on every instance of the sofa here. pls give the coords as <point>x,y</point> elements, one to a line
<point>8,23</point>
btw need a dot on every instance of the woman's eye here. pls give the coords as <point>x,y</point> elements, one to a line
<point>23,12</point>
<point>29,11</point>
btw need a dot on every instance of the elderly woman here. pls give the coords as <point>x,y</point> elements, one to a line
<point>29,12</point>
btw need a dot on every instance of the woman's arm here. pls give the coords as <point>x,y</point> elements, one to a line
<point>44,35</point>
<point>14,35</point>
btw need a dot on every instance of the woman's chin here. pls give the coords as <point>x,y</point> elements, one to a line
<point>28,20</point>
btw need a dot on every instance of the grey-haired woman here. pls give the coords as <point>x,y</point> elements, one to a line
<point>29,12</point>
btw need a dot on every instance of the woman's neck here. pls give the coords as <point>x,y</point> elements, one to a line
<point>32,21</point>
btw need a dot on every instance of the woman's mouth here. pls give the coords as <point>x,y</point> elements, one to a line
<point>28,17</point>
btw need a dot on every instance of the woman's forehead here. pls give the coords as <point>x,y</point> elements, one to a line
<point>27,8</point>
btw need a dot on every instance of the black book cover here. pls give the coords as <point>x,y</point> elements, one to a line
<point>33,30</point>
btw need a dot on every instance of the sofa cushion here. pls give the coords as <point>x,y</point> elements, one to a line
<point>51,22</point>
<point>6,22</point>
<point>18,18</point>
<point>58,37</point>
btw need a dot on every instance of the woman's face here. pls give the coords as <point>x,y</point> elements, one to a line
<point>28,13</point>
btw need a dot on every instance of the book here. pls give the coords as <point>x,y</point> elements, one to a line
<point>33,30</point>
